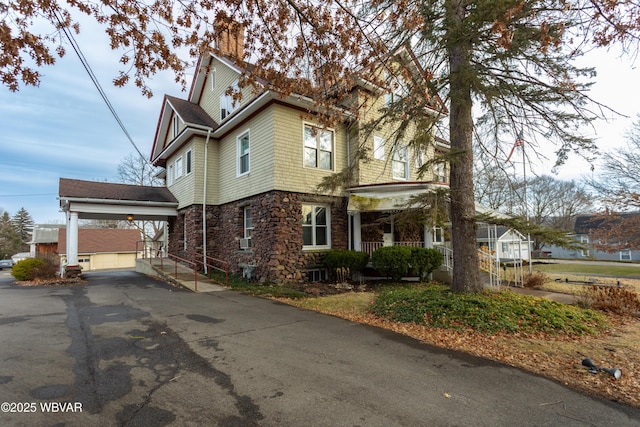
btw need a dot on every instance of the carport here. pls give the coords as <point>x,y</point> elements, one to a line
<point>108,201</point>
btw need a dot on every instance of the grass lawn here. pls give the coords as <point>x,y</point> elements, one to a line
<point>590,269</point>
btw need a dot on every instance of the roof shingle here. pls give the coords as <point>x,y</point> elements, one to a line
<point>101,240</point>
<point>73,188</point>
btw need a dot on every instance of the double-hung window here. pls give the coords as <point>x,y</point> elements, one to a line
<point>247,222</point>
<point>316,227</point>
<point>625,255</point>
<point>227,103</point>
<point>318,148</point>
<point>179,165</point>
<point>378,148</point>
<point>400,163</point>
<point>585,241</point>
<point>440,172</point>
<point>243,153</point>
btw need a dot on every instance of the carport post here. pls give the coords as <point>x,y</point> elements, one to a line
<point>72,241</point>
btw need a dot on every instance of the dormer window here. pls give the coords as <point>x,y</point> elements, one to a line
<point>227,103</point>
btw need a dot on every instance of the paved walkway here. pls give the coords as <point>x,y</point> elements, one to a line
<point>186,278</point>
<point>180,275</point>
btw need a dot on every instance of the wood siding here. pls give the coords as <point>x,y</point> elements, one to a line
<point>289,170</point>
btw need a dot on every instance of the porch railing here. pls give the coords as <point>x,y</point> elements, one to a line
<point>447,260</point>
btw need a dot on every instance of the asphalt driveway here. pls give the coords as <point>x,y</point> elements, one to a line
<point>129,350</point>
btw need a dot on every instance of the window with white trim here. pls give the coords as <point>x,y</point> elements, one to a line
<point>170,175</point>
<point>625,255</point>
<point>227,103</point>
<point>379,148</point>
<point>438,235</point>
<point>585,241</point>
<point>400,163</point>
<point>179,169</point>
<point>243,154</point>
<point>317,275</point>
<point>440,172</point>
<point>188,162</point>
<point>318,148</point>
<point>213,78</point>
<point>247,221</point>
<point>399,89</point>
<point>316,227</point>
<point>175,125</point>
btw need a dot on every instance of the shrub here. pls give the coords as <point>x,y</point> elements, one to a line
<point>392,261</point>
<point>534,280</point>
<point>34,268</point>
<point>612,299</point>
<point>425,260</point>
<point>485,312</point>
<point>341,259</point>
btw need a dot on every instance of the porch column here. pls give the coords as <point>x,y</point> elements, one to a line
<point>72,268</point>
<point>357,237</point>
<point>428,236</point>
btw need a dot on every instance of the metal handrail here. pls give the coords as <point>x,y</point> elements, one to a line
<point>145,247</point>
<point>208,258</point>
<point>175,259</point>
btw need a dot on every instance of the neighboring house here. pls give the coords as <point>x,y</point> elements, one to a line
<point>44,241</point>
<point>102,248</point>
<point>245,174</point>
<point>584,226</point>
<point>505,243</point>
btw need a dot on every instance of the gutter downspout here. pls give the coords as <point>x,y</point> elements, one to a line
<point>204,202</point>
<point>350,217</point>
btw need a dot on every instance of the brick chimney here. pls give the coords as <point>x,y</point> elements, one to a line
<point>230,38</point>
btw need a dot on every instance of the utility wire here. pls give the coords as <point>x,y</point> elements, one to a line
<point>94,79</point>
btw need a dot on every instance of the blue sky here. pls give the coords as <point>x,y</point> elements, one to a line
<point>64,129</point>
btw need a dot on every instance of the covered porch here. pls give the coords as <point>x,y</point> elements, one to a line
<point>374,221</point>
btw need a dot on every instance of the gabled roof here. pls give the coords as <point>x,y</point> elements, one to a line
<point>498,232</point>
<point>586,223</point>
<point>190,113</point>
<point>101,240</point>
<point>71,189</point>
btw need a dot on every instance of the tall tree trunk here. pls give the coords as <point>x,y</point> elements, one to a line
<point>466,273</point>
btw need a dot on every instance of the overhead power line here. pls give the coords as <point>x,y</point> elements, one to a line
<point>96,83</point>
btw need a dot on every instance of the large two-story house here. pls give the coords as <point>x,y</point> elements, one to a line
<point>246,171</point>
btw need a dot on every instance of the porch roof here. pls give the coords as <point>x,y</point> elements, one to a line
<point>388,196</point>
<point>105,200</point>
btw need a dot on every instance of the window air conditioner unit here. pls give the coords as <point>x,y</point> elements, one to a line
<point>245,243</point>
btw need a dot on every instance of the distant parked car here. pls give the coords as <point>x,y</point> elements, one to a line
<point>6,263</point>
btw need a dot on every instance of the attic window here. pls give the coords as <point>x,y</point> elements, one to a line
<point>227,104</point>
<point>213,78</point>
<point>175,126</point>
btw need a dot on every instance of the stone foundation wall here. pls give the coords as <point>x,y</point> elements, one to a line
<point>277,234</point>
